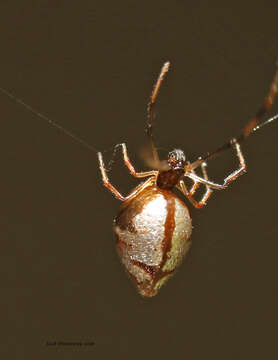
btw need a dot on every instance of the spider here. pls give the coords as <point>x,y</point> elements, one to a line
<point>153,226</point>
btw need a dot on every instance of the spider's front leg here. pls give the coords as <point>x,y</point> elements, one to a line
<point>131,168</point>
<point>209,184</point>
<point>241,170</point>
<point>140,187</point>
<point>233,176</point>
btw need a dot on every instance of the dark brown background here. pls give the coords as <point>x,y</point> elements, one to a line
<point>91,66</point>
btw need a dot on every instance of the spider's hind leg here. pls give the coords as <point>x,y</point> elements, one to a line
<point>242,168</point>
<point>209,184</point>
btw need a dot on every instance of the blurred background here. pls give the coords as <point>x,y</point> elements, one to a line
<point>91,67</point>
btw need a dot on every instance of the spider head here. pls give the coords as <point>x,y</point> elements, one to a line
<point>176,159</point>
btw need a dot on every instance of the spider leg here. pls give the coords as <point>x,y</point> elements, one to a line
<point>242,169</point>
<point>110,187</point>
<point>196,184</point>
<point>189,194</point>
<point>233,176</point>
<point>208,189</point>
<point>151,105</point>
<point>131,168</point>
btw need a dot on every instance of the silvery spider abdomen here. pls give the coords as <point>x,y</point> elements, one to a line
<point>153,231</point>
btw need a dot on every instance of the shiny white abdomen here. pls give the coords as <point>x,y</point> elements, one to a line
<point>153,231</point>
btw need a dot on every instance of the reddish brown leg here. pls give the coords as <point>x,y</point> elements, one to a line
<point>196,184</point>
<point>233,176</point>
<point>118,195</point>
<point>208,189</point>
<point>241,170</point>
<point>156,88</point>
<point>131,168</point>
<point>189,194</point>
